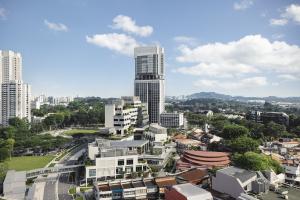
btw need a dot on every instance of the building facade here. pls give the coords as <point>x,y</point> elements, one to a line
<point>171,120</point>
<point>149,83</point>
<point>236,182</point>
<point>15,95</point>
<point>114,159</point>
<point>292,173</point>
<point>121,114</point>
<point>266,117</point>
<point>277,117</point>
<point>156,133</point>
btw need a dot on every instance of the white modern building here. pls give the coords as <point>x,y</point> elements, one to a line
<point>123,113</point>
<point>292,174</point>
<point>11,66</point>
<point>187,191</point>
<point>15,101</point>
<point>171,120</point>
<point>59,100</point>
<point>113,159</point>
<point>156,133</point>
<point>15,95</point>
<point>149,83</point>
<point>235,182</point>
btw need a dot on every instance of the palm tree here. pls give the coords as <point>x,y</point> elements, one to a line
<point>10,145</point>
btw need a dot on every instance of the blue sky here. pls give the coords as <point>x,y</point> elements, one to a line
<point>84,47</point>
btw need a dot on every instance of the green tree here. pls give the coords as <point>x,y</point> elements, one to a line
<point>256,162</point>
<point>3,170</point>
<point>244,144</point>
<point>296,130</point>
<point>219,122</point>
<point>4,153</point>
<point>234,131</point>
<point>10,146</point>
<point>20,124</point>
<point>274,130</point>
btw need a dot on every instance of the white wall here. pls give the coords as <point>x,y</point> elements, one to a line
<point>226,184</point>
<point>109,115</point>
<point>161,137</point>
<point>92,151</point>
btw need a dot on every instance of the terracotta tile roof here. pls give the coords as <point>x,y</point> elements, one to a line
<point>179,136</point>
<point>104,187</point>
<point>194,174</point>
<point>207,154</point>
<point>165,181</point>
<point>188,141</point>
<point>208,159</point>
<point>209,164</point>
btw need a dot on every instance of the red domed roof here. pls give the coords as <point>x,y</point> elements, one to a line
<point>207,154</point>
<point>203,158</point>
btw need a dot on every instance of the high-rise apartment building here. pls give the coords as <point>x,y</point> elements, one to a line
<point>149,83</point>
<point>15,95</point>
<point>11,66</point>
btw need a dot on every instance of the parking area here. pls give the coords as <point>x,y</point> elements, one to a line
<point>293,194</point>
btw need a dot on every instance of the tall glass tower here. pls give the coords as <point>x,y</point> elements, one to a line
<point>149,83</point>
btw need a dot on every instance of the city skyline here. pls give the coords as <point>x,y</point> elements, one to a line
<point>79,52</point>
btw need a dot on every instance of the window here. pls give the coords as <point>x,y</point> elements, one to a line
<point>129,162</point>
<point>92,172</point>
<point>119,170</point>
<point>139,168</point>
<point>120,162</point>
<point>128,169</point>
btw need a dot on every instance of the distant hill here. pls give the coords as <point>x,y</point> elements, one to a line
<point>214,95</point>
<point>210,95</point>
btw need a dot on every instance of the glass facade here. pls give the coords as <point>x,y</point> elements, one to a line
<point>149,80</point>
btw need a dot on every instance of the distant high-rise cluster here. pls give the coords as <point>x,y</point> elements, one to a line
<point>15,95</point>
<point>149,83</point>
<point>40,100</point>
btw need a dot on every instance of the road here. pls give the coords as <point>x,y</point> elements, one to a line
<point>63,187</point>
<point>56,186</point>
<point>50,188</point>
<point>63,182</point>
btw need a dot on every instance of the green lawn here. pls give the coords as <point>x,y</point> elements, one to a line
<point>83,189</point>
<point>72,190</point>
<point>81,131</point>
<point>25,163</point>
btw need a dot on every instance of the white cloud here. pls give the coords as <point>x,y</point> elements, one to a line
<point>251,82</point>
<point>277,36</point>
<point>185,40</point>
<point>127,24</point>
<point>291,12</point>
<point>56,26</point>
<point>288,77</point>
<point>3,13</point>
<point>215,70</point>
<point>120,43</point>
<point>278,22</point>
<point>250,54</point>
<point>243,4</point>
